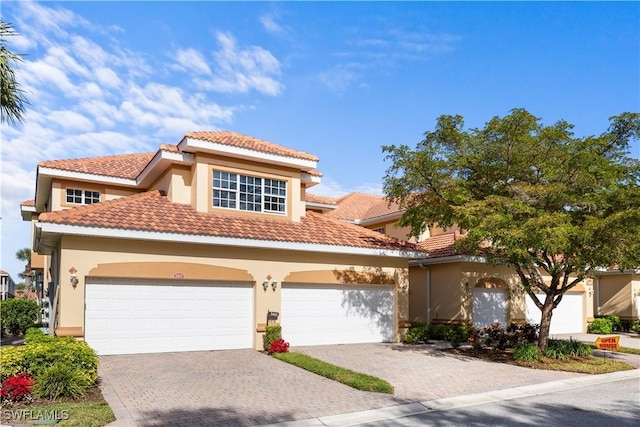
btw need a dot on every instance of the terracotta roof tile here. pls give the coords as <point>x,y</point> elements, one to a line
<point>152,211</point>
<point>243,141</point>
<point>440,246</point>
<point>31,202</point>
<point>3,272</point>
<point>319,199</point>
<point>361,206</point>
<point>169,147</point>
<point>126,166</point>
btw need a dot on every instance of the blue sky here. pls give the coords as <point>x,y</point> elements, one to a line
<point>338,80</point>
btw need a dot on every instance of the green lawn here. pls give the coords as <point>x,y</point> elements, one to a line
<point>627,350</point>
<point>82,414</point>
<point>345,376</point>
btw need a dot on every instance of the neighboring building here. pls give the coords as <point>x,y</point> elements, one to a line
<point>7,286</point>
<point>618,293</point>
<point>454,288</point>
<point>191,248</point>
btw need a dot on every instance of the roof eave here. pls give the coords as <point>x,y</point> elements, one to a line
<point>447,260</point>
<point>160,162</point>
<point>198,145</point>
<point>48,230</point>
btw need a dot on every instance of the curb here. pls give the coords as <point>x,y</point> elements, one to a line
<point>354,418</point>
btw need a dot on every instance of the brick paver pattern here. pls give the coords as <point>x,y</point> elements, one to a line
<point>245,387</point>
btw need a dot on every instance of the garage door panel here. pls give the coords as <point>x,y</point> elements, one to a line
<point>125,317</point>
<point>313,315</point>
<point>489,307</point>
<point>568,317</point>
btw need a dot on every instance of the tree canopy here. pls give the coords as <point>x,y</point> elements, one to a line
<point>531,196</point>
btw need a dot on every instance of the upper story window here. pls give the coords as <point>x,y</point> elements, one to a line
<point>82,197</point>
<point>249,193</point>
<point>379,230</point>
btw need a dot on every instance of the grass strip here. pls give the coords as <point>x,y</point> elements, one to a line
<point>353,379</point>
<point>582,365</point>
<point>627,350</point>
<point>81,414</point>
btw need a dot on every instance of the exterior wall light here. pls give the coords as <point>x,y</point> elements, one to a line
<point>74,280</point>
<point>274,285</point>
<point>265,284</point>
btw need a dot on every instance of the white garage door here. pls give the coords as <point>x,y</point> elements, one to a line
<point>344,314</point>
<point>568,316</point>
<point>126,317</point>
<point>489,307</point>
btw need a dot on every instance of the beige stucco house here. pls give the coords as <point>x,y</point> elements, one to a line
<point>190,248</point>
<point>453,288</point>
<point>617,293</point>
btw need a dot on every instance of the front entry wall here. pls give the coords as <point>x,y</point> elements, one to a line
<point>183,263</point>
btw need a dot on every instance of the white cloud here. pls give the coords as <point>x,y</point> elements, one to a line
<point>191,60</point>
<point>268,21</point>
<point>331,188</point>
<point>240,70</point>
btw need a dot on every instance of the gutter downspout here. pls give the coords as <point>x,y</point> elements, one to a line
<point>428,291</point>
<point>597,295</point>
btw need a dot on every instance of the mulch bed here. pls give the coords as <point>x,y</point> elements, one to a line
<point>92,395</point>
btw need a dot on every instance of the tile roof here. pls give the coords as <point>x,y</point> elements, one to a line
<point>126,166</point>
<point>319,199</point>
<point>243,141</point>
<point>152,211</point>
<point>361,206</point>
<point>440,246</point>
<point>31,202</point>
<point>3,272</point>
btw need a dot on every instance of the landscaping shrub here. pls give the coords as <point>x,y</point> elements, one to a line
<point>438,331</point>
<point>35,335</point>
<point>476,338</point>
<point>279,346</point>
<point>16,388</point>
<point>35,357</point>
<point>562,349</point>
<point>496,336</point>
<point>600,325</point>
<point>616,323</point>
<point>417,333</point>
<point>17,315</point>
<point>523,333</point>
<point>272,334</point>
<point>457,335</point>
<point>60,380</point>
<point>523,352</point>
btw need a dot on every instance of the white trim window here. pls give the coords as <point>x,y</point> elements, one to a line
<point>82,197</point>
<point>249,193</point>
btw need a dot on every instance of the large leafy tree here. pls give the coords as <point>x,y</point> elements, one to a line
<point>11,95</point>
<point>534,197</point>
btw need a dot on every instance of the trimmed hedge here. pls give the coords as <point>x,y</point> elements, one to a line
<point>41,352</point>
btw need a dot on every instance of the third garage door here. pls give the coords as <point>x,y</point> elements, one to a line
<point>336,314</point>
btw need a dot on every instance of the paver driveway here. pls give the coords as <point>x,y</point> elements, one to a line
<point>245,387</point>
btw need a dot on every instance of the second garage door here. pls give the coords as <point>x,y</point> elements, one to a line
<point>568,317</point>
<point>125,317</point>
<point>343,314</point>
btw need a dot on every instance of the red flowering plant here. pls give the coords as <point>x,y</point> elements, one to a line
<point>279,346</point>
<point>16,388</point>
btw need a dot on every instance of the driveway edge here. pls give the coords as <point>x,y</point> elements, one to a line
<point>355,418</point>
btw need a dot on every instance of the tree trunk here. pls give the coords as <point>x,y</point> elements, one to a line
<point>545,322</point>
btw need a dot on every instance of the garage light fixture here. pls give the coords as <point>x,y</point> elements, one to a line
<point>74,280</point>
<point>265,284</point>
<point>274,285</point>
